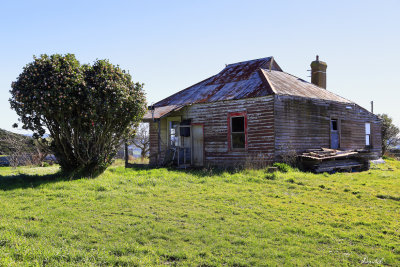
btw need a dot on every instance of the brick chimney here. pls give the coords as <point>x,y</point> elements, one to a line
<point>318,73</point>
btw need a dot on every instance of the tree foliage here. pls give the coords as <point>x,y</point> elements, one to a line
<point>87,109</point>
<point>390,133</point>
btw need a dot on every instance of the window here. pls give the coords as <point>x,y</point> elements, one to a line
<point>367,134</point>
<point>173,138</point>
<point>173,130</point>
<point>334,125</point>
<point>237,131</point>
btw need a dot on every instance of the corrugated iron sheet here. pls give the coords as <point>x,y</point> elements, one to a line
<point>236,81</point>
<point>243,80</point>
<point>287,84</point>
<point>160,112</point>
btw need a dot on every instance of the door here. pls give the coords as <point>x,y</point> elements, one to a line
<point>334,134</point>
<point>198,148</point>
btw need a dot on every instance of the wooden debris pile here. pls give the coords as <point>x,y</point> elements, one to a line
<point>326,153</point>
<point>332,160</point>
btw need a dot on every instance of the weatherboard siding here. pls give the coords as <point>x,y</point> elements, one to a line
<point>304,123</point>
<point>214,118</point>
<point>276,125</point>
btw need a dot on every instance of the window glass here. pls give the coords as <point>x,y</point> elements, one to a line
<point>368,128</point>
<point>238,135</point>
<point>238,140</point>
<point>237,124</point>
<point>367,134</point>
<point>173,133</point>
<point>367,141</point>
<point>334,125</point>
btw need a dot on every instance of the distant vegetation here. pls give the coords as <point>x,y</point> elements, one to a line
<point>210,217</point>
<point>5,148</point>
<point>390,133</point>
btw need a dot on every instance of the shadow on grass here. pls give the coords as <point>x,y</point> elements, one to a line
<point>136,166</point>
<point>195,171</point>
<point>11,182</point>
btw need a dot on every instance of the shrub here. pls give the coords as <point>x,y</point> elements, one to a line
<point>88,109</point>
<point>291,180</point>
<point>270,176</point>
<point>282,167</point>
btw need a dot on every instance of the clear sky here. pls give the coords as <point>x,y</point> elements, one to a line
<point>170,45</point>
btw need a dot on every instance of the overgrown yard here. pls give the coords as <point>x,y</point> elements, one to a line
<point>153,217</point>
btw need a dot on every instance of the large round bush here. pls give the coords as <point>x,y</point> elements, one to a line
<point>87,109</point>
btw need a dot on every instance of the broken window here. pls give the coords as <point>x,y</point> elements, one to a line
<point>238,133</point>
<point>367,134</point>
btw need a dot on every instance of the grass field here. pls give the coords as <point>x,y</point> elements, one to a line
<point>150,217</point>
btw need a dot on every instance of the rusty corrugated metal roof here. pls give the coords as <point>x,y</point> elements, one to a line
<point>160,112</point>
<point>235,81</point>
<point>286,84</point>
<point>243,80</point>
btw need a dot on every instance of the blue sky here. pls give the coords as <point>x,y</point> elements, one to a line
<point>170,45</point>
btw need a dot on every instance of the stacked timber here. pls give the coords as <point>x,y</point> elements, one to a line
<point>327,153</point>
<point>332,160</point>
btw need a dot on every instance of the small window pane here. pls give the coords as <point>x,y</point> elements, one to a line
<point>237,124</point>
<point>368,128</point>
<point>238,140</point>
<point>367,140</point>
<point>334,125</point>
<point>173,133</point>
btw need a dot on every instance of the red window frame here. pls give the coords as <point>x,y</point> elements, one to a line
<point>237,114</point>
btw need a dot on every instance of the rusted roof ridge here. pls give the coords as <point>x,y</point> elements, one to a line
<point>275,65</point>
<point>266,59</point>
<point>270,88</point>
<point>239,71</point>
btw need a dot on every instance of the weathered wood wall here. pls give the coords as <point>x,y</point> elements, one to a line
<point>304,123</point>
<point>276,125</point>
<point>214,117</point>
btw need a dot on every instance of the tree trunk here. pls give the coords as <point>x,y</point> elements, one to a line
<point>126,155</point>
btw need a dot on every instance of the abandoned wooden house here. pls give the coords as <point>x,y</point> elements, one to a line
<point>254,111</point>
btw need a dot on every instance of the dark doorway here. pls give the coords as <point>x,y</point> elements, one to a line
<point>334,134</point>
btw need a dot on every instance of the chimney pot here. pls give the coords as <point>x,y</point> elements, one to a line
<point>318,72</point>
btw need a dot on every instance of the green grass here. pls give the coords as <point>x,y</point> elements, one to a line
<point>150,217</point>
